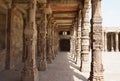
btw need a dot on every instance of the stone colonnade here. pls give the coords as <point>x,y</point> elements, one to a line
<point>43,35</point>
<point>80,40</point>
<point>111,41</point>
<point>40,34</point>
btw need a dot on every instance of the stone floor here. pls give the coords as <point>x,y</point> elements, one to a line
<point>64,69</point>
<point>111,62</point>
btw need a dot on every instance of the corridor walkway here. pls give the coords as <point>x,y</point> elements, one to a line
<point>63,68</point>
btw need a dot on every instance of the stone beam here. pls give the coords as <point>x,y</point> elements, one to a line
<point>63,29</point>
<point>63,21</point>
<point>64,18</point>
<point>64,8</point>
<point>64,14</point>
<point>61,2</point>
<point>64,24</point>
<point>21,1</point>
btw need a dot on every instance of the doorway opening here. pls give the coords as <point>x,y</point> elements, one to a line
<point>65,45</point>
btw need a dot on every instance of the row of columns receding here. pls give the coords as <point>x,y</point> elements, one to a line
<point>82,41</point>
<point>40,40</point>
<point>111,41</point>
<point>47,40</point>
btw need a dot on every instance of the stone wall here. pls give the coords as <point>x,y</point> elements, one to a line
<point>2,31</point>
<point>16,42</point>
<point>2,39</point>
<point>2,59</point>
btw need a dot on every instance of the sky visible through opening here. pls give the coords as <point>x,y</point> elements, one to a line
<point>111,13</point>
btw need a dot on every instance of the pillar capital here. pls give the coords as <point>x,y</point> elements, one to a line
<point>49,10</point>
<point>8,2</point>
<point>96,8</point>
<point>117,32</point>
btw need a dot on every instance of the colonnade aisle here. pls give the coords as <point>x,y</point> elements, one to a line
<point>62,69</point>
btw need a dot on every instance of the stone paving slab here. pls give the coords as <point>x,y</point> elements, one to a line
<point>63,68</point>
<point>111,63</point>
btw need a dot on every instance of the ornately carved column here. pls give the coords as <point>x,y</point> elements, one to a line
<point>43,32</point>
<point>79,35</point>
<point>71,43</point>
<point>8,56</point>
<point>117,37</point>
<point>56,41</point>
<point>96,73</point>
<point>30,72</point>
<point>112,45</point>
<point>85,38</point>
<point>49,56</point>
<point>105,41</point>
<point>53,28</point>
<point>75,40</point>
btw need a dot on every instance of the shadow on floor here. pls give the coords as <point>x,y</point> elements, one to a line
<point>62,69</point>
<point>11,75</point>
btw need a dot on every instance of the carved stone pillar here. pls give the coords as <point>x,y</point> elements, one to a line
<point>85,39</point>
<point>55,39</point>
<point>71,45</point>
<point>53,27</point>
<point>79,35</point>
<point>74,41</point>
<point>112,46</point>
<point>30,72</point>
<point>49,56</point>
<point>42,65</point>
<point>51,37</point>
<point>8,57</point>
<point>105,41</point>
<point>117,37</point>
<point>96,73</point>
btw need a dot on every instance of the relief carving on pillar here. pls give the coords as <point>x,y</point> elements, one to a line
<point>85,32</point>
<point>97,34</point>
<point>96,73</point>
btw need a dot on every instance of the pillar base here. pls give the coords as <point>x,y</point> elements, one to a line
<point>43,65</point>
<point>53,56</point>
<point>96,78</point>
<point>84,67</point>
<point>30,74</point>
<point>117,50</point>
<point>49,61</point>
